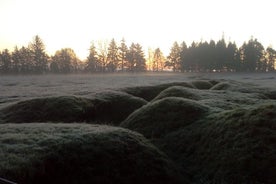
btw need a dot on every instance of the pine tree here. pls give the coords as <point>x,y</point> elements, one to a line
<point>5,62</point>
<point>174,57</point>
<point>40,57</point>
<point>112,56</point>
<point>92,60</point>
<point>122,55</point>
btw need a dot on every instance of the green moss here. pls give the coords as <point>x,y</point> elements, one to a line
<point>163,116</point>
<point>236,146</point>
<point>150,92</point>
<point>81,153</point>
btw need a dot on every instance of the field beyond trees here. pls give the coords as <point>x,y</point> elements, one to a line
<point>216,128</point>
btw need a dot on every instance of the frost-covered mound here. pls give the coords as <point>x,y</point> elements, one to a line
<point>150,92</point>
<point>236,146</point>
<point>163,116</point>
<point>110,106</point>
<point>219,131</point>
<point>81,153</point>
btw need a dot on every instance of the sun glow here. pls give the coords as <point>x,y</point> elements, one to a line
<point>155,23</point>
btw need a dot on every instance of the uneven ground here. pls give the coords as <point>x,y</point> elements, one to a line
<point>158,129</point>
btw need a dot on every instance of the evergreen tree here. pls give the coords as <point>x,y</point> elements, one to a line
<point>5,62</point>
<point>122,55</point>
<point>158,60</point>
<point>253,55</point>
<point>220,53</point>
<point>112,56</point>
<point>26,59</point>
<point>271,59</point>
<point>92,64</point>
<point>231,56</point>
<point>136,58</point>
<point>183,52</point>
<point>40,57</point>
<point>16,60</point>
<point>174,57</point>
<point>102,55</point>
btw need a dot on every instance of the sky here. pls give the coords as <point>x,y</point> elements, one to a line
<point>151,23</point>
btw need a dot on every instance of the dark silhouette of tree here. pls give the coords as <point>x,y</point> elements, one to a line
<point>220,55</point>
<point>136,58</point>
<point>27,64</point>
<point>16,61</point>
<point>66,60</point>
<point>102,55</point>
<point>5,62</point>
<point>112,56</point>
<point>270,59</point>
<point>253,55</point>
<point>40,57</point>
<point>231,57</point>
<point>158,60</point>
<point>122,55</point>
<point>92,64</point>
<point>174,57</point>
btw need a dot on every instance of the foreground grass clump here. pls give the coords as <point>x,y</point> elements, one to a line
<point>61,109</point>
<point>163,116</point>
<point>150,92</point>
<point>236,146</point>
<point>109,107</point>
<point>81,153</point>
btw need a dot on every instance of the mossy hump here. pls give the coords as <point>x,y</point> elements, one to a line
<point>163,116</point>
<point>81,153</point>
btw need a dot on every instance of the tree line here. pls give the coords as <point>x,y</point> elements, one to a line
<point>221,56</point>
<point>113,57</point>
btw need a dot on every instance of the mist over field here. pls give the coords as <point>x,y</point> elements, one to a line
<point>138,128</point>
<point>21,87</point>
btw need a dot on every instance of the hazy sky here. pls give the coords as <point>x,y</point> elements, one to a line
<point>152,23</point>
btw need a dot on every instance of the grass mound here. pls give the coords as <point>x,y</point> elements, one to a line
<point>202,84</point>
<point>61,109</point>
<point>178,91</point>
<point>163,116</point>
<point>74,153</point>
<point>108,107</point>
<point>113,106</point>
<point>236,146</point>
<point>150,92</point>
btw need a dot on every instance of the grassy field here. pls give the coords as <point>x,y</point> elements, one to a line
<point>186,129</point>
